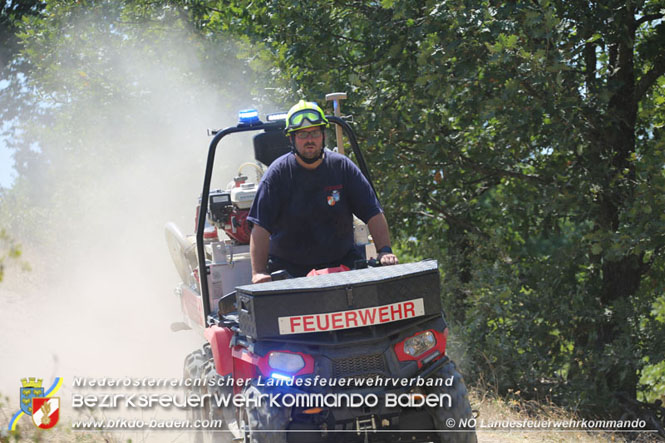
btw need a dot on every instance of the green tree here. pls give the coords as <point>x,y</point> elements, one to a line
<point>111,87</point>
<point>12,67</point>
<point>520,143</point>
<point>12,73</point>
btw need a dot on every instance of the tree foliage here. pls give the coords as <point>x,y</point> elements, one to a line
<point>520,143</point>
<point>111,87</point>
<point>13,67</point>
<point>11,16</point>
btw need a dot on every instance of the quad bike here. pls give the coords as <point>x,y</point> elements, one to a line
<point>364,350</point>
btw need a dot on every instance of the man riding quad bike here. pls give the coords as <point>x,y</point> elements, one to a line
<point>303,210</point>
<point>349,353</point>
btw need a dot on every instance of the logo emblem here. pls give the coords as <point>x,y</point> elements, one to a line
<point>44,409</point>
<point>31,388</point>
<point>333,197</point>
<point>46,412</point>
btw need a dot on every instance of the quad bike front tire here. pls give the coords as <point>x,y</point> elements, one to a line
<point>449,418</point>
<point>193,369</point>
<point>262,423</point>
<point>212,412</point>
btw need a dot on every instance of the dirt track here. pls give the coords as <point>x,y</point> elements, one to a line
<point>108,324</point>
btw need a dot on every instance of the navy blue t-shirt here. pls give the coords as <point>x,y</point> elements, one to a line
<point>308,213</point>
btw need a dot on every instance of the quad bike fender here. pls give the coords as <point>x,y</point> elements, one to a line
<point>220,340</point>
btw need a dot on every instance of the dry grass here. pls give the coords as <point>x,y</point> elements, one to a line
<point>492,409</point>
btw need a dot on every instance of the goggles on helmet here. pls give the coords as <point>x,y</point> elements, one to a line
<point>304,114</point>
<point>297,120</point>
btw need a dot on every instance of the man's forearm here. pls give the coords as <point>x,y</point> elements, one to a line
<point>259,246</point>
<point>378,227</point>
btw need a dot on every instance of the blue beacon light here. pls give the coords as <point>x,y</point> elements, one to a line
<point>248,117</point>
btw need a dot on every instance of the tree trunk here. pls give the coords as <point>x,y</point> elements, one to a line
<point>620,278</point>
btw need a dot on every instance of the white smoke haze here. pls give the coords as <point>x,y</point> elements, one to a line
<point>99,299</point>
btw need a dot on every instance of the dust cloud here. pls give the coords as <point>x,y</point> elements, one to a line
<point>99,299</point>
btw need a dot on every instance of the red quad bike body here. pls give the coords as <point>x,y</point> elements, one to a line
<point>338,356</point>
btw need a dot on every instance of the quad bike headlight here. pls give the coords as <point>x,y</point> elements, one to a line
<point>419,344</point>
<point>286,362</point>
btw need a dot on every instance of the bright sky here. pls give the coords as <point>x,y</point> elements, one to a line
<point>7,173</point>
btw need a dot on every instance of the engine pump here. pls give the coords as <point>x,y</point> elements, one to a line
<point>228,209</point>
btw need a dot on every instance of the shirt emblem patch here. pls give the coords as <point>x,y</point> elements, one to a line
<point>333,197</point>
